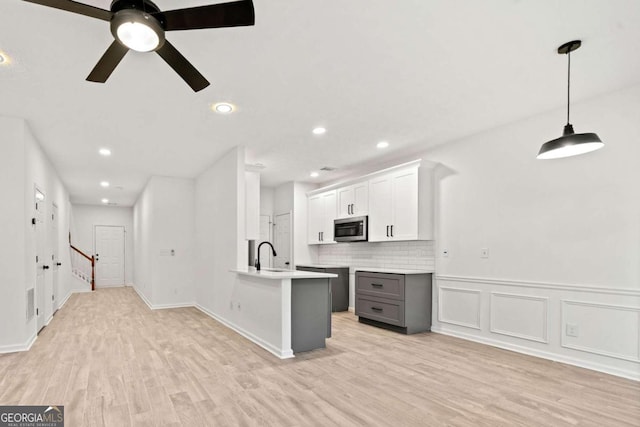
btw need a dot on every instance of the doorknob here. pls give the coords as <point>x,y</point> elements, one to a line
<point>45,267</point>
<point>58,264</point>
<point>286,263</point>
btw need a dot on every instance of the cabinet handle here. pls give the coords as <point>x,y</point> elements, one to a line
<point>322,236</point>
<point>318,236</point>
<point>387,231</point>
<point>377,285</point>
<point>351,208</point>
<point>392,231</point>
<point>376,309</point>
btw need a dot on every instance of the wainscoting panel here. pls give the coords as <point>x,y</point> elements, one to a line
<point>459,307</point>
<point>605,329</point>
<point>595,327</point>
<point>520,316</point>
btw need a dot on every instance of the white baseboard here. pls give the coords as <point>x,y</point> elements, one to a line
<point>542,354</point>
<point>19,347</point>
<point>142,297</point>
<point>287,354</point>
<point>161,306</point>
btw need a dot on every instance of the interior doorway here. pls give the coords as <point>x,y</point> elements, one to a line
<point>265,236</point>
<point>109,250</point>
<point>282,241</point>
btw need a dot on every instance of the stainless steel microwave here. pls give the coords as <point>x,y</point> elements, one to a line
<point>353,229</point>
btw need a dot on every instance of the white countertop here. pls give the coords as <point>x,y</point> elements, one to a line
<point>322,265</point>
<point>392,270</point>
<point>279,275</point>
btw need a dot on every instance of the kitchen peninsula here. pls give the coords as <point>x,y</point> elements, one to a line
<point>283,311</point>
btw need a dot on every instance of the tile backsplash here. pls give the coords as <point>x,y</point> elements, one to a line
<point>418,255</point>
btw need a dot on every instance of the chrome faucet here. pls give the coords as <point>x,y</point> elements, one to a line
<point>258,260</point>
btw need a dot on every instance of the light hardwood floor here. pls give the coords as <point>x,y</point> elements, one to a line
<point>111,361</point>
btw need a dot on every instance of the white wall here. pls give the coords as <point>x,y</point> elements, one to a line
<point>164,236</point>
<point>563,238</point>
<point>267,195</point>
<point>86,217</point>
<point>23,165</point>
<point>220,244</point>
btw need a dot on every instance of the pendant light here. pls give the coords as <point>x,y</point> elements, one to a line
<point>570,143</point>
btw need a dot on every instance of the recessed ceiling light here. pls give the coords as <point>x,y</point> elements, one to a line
<point>104,184</point>
<point>104,152</point>
<point>314,174</point>
<point>319,131</point>
<point>105,201</point>
<point>382,144</point>
<point>223,108</point>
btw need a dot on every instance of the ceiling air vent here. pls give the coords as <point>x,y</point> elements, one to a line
<point>327,169</point>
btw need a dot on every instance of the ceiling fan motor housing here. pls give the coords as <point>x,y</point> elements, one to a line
<point>135,11</point>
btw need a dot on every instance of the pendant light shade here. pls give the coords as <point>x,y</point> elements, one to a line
<point>570,143</point>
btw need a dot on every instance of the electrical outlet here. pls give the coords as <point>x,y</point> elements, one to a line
<point>484,252</point>
<point>572,330</point>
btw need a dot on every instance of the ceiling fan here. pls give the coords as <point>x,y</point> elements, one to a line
<point>140,25</point>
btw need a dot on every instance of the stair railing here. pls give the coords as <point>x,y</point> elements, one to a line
<point>83,266</point>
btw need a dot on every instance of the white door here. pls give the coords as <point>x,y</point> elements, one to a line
<point>265,236</point>
<point>109,241</point>
<point>345,201</point>
<point>282,241</point>
<point>42,264</point>
<point>360,199</point>
<point>55,263</point>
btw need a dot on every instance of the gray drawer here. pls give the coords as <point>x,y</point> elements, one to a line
<point>383,310</point>
<point>380,285</point>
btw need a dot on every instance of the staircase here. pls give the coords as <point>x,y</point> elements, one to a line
<point>83,266</point>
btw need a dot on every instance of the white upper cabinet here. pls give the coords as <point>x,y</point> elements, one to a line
<point>321,213</point>
<point>400,205</point>
<point>353,200</point>
<point>398,201</point>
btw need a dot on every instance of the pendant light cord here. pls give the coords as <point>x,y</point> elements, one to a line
<point>568,83</point>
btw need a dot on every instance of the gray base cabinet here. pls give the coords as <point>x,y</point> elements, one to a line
<point>339,285</point>
<point>401,302</point>
<point>310,314</point>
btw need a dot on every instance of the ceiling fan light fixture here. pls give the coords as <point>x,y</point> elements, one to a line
<point>570,143</point>
<point>137,30</point>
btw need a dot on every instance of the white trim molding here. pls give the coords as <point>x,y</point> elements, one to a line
<point>441,318</point>
<point>19,347</point>
<point>542,285</point>
<point>544,327</point>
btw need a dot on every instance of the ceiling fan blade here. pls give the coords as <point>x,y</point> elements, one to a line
<point>108,63</point>
<point>233,14</point>
<point>183,67</point>
<point>75,7</point>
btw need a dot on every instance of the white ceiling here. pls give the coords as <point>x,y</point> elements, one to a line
<point>413,72</point>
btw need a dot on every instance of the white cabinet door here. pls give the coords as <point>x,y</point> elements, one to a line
<point>380,210</point>
<point>329,207</point>
<point>345,200</point>
<point>315,213</point>
<point>404,204</point>
<point>360,204</point>
<point>321,213</point>
<point>353,200</point>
